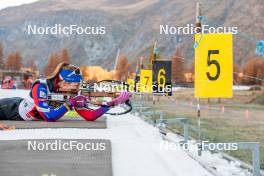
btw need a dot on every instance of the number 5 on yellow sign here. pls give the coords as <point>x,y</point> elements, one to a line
<point>214,66</point>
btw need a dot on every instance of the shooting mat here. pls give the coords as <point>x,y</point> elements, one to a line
<point>16,159</point>
<point>64,122</point>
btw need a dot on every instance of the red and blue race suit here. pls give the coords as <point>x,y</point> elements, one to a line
<point>36,106</point>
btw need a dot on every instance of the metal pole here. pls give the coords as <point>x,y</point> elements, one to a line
<point>117,57</point>
<point>161,115</point>
<point>185,132</point>
<point>199,128</point>
<point>256,160</point>
<point>198,14</point>
<point>199,24</point>
<point>141,104</point>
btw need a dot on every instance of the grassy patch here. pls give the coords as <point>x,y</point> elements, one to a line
<point>218,130</point>
<point>224,130</point>
<point>259,100</point>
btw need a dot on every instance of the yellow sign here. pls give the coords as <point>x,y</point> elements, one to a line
<point>214,66</point>
<point>145,82</point>
<point>131,84</point>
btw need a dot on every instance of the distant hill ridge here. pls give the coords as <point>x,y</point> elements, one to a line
<point>131,25</point>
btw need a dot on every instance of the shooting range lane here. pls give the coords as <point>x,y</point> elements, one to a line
<point>65,122</point>
<point>16,159</point>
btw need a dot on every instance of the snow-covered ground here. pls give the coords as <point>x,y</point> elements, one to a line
<point>136,147</point>
<point>174,89</point>
<point>235,87</point>
<point>241,87</point>
<point>7,93</point>
<point>213,161</point>
<point>8,3</point>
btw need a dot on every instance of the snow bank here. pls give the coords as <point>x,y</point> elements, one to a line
<point>235,87</point>
<point>5,4</point>
<point>8,93</point>
<point>241,87</point>
<point>214,161</point>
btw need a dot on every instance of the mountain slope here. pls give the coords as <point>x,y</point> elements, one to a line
<point>131,25</point>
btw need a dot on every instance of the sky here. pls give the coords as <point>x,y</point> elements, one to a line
<point>9,3</point>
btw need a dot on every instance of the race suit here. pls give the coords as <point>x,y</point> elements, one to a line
<point>36,106</point>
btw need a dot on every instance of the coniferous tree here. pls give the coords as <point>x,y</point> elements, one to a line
<point>178,67</point>
<point>65,56</point>
<point>32,65</point>
<point>122,67</point>
<point>253,71</point>
<point>14,61</point>
<point>52,64</point>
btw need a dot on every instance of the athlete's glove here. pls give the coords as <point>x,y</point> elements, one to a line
<point>122,98</point>
<point>78,101</point>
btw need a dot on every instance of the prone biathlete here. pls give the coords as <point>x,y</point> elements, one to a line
<point>36,106</point>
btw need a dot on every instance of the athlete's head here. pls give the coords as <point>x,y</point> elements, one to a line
<point>66,77</point>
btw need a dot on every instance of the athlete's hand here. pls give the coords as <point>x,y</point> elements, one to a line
<point>78,101</point>
<point>122,98</point>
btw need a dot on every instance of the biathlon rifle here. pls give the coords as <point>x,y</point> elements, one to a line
<point>96,94</point>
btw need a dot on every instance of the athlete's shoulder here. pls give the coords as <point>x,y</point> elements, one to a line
<point>39,90</point>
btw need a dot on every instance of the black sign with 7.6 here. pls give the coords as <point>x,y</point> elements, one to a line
<point>162,77</point>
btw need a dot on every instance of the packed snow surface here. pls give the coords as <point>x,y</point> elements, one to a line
<point>136,146</point>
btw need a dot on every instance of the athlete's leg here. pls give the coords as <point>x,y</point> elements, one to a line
<point>9,108</point>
